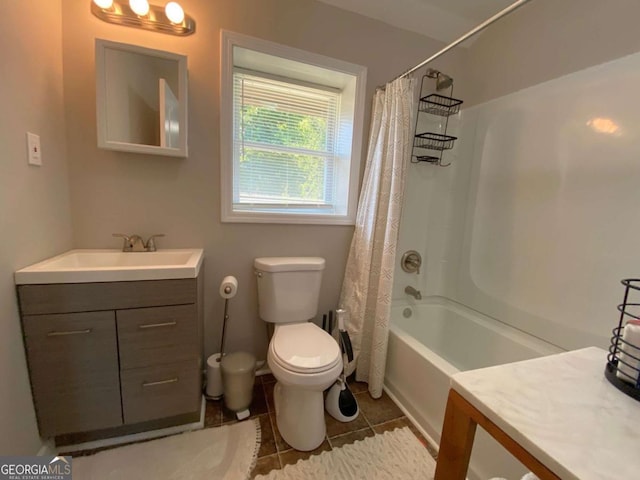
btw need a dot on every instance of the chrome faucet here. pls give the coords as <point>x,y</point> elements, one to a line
<point>413,292</point>
<point>150,246</point>
<point>135,243</point>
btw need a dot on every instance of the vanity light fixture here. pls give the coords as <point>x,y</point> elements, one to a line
<point>174,12</point>
<point>170,19</point>
<point>139,7</point>
<point>104,4</point>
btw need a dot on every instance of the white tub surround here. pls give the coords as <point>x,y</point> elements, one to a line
<point>551,226</point>
<point>561,410</point>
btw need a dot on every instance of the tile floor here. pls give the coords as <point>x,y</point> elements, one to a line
<point>376,416</point>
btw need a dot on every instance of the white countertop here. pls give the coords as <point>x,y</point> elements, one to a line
<point>562,410</point>
<point>83,266</point>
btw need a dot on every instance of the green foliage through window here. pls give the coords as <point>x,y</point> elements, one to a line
<point>284,142</point>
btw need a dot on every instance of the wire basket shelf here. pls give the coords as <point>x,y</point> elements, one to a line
<point>623,360</point>
<point>425,158</point>
<point>434,141</point>
<point>439,105</point>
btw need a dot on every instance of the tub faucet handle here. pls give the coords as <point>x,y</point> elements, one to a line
<point>414,263</point>
<point>411,262</point>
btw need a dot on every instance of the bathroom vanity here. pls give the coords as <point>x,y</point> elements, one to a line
<point>113,341</point>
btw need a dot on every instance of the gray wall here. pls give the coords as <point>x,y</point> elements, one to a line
<point>34,201</point>
<point>119,192</point>
<point>546,39</point>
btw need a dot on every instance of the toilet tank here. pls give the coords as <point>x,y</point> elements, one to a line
<point>288,288</point>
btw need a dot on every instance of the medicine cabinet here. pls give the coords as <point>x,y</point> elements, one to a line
<point>141,97</point>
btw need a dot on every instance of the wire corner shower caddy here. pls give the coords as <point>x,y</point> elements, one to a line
<point>444,81</point>
<point>440,105</point>
<point>623,360</point>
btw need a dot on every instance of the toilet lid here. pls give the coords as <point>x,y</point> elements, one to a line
<point>304,348</point>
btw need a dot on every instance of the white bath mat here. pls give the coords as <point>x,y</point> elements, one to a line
<point>396,455</point>
<point>228,452</point>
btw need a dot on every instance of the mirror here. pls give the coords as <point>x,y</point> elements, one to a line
<point>141,99</point>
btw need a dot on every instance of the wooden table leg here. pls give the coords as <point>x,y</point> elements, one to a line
<point>460,421</point>
<point>458,432</point>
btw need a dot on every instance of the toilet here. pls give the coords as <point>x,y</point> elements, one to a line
<point>304,359</point>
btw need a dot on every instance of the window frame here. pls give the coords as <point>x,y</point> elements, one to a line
<point>229,40</point>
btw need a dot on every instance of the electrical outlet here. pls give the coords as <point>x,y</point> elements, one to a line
<point>34,155</point>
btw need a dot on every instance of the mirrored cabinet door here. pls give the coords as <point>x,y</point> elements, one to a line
<point>141,99</point>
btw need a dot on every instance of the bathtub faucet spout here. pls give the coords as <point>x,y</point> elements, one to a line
<point>413,292</point>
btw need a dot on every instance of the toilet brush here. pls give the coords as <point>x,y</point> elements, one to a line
<point>340,402</point>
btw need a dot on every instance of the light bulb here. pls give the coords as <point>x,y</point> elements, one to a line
<point>174,12</point>
<point>139,7</point>
<point>103,4</point>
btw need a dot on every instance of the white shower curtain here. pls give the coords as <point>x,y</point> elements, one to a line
<point>366,291</point>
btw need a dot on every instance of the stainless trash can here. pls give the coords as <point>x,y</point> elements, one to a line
<point>238,376</point>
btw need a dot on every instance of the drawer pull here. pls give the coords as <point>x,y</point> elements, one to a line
<point>157,325</point>
<point>161,382</point>
<point>69,332</point>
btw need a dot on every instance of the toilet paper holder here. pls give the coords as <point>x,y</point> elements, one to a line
<point>228,290</point>
<point>214,388</point>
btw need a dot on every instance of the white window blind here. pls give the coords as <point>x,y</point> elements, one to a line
<point>284,145</point>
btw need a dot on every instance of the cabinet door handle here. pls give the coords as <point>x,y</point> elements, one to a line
<point>157,325</point>
<point>69,332</point>
<point>161,382</point>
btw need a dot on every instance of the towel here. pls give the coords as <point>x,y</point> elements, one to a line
<point>628,366</point>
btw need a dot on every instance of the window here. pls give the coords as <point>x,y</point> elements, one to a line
<point>291,134</point>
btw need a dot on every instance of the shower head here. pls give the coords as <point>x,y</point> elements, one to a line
<point>442,80</point>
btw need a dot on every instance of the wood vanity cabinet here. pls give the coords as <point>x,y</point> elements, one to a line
<point>113,358</point>
<point>73,363</point>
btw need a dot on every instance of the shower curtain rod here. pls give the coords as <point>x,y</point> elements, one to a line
<point>514,6</point>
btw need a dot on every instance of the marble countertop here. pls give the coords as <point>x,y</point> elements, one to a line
<point>562,410</point>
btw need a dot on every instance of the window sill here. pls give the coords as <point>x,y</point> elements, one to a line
<point>287,219</point>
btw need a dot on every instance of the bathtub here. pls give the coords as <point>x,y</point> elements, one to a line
<point>436,338</point>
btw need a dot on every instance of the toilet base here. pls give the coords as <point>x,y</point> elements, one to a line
<point>300,416</point>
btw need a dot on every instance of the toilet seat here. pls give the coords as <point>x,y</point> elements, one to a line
<point>304,348</point>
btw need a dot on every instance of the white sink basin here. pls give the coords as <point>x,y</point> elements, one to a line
<point>83,266</point>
